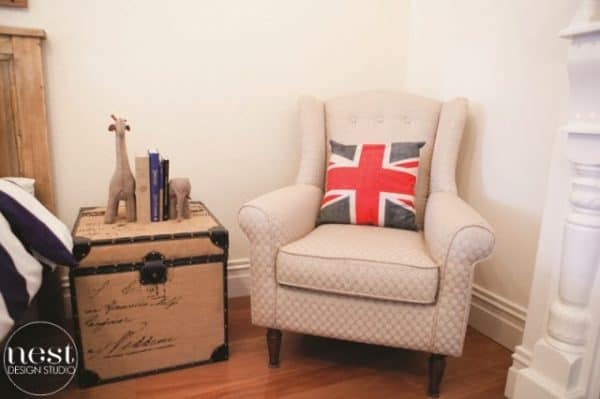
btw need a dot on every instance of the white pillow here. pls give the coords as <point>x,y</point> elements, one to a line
<point>26,183</point>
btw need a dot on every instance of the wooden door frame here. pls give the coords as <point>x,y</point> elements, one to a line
<point>22,48</point>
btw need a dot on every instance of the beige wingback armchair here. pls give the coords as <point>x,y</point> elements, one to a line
<point>369,284</point>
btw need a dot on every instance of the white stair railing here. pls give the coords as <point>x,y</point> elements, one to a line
<point>562,363</point>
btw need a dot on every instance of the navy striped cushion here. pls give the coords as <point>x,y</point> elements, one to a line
<point>20,278</point>
<point>38,229</point>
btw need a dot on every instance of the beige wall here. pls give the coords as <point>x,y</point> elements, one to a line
<point>213,84</point>
<point>504,56</point>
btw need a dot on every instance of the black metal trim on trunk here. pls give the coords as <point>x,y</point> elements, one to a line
<point>220,353</point>
<point>88,378</point>
<point>82,246</point>
<point>219,230</point>
<point>219,236</point>
<point>154,270</point>
<point>86,383</point>
<point>133,266</point>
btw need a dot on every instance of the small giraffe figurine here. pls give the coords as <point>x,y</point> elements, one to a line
<point>122,183</point>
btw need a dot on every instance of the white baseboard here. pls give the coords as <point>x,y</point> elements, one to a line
<point>497,317</point>
<point>238,277</point>
<point>521,359</point>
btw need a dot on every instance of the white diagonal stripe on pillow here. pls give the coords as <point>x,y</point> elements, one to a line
<point>36,208</point>
<point>26,264</point>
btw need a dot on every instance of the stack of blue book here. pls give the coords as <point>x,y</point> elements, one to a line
<point>158,170</point>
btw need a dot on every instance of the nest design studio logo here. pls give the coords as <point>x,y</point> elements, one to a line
<point>40,358</point>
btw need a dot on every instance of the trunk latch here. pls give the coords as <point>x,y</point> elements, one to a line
<point>154,270</point>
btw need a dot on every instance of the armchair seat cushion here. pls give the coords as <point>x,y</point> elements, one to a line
<point>362,261</point>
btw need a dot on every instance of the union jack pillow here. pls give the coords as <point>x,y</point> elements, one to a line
<point>372,184</point>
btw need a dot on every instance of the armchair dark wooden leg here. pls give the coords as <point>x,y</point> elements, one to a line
<point>274,345</point>
<point>437,365</point>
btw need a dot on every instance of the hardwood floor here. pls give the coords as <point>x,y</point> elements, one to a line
<point>313,367</point>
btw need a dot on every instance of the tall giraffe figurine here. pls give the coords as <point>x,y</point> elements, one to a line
<point>122,183</point>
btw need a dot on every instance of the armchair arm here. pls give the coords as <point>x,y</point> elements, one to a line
<point>285,214</point>
<point>457,238</point>
<point>271,221</point>
<point>454,232</point>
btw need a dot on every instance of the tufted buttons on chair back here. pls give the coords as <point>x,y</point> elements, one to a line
<point>385,117</point>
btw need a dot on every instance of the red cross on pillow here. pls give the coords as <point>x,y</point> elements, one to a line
<point>371,184</point>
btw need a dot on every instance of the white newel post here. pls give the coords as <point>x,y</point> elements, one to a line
<point>563,363</point>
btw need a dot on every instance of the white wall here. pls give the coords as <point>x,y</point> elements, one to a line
<point>213,84</point>
<point>504,56</point>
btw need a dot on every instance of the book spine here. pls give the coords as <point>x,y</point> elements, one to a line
<point>142,189</point>
<point>154,186</point>
<point>160,193</point>
<point>165,182</point>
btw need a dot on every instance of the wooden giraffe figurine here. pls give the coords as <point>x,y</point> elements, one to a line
<point>122,183</point>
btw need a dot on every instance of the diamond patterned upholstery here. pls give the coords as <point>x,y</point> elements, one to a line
<point>368,284</point>
<point>364,261</point>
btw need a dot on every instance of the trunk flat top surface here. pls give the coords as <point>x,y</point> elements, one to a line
<point>90,224</point>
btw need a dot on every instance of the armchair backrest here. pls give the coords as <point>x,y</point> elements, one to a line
<point>383,117</point>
